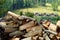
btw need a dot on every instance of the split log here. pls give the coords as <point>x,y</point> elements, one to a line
<point>52,27</point>
<point>58,23</point>
<point>8,24</point>
<point>29,29</point>
<point>32,28</point>
<point>41,38</point>
<point>16,33</point>
<point>27,25</point>
<point>2,24</point>
<point>58,38</point>
<point>15,38</point>
<point>58,34</point>
<point>10,29</point>
<point>13,14</point>
<point>11,25</point>
<point>29,38</point>
<point>46,23</point>
<point>34,31</point>
<point>51,36</point>
<point>7,18</point>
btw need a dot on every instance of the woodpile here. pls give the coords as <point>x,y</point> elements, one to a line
<point>16,27</point>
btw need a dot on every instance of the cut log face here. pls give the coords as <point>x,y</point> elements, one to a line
<point>46,23</point>
<point>15,39</point>
<point>29,38</point>
<point>58,23</point>
<point>34,31</point>
<point>3,24</point>
<point>52,27</point>
<point>27,25</point>
<point>58,34</point>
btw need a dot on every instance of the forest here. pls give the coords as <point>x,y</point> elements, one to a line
<point>11,5</point>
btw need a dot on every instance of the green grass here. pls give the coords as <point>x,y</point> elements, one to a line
<point>40,9</point>
<point>37,9</point>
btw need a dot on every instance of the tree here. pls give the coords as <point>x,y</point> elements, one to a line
<point>42,2</point>
<point>55,5</point>
<point>4,6</point>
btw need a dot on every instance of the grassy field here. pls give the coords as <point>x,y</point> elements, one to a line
<point>47,10</point>
<point>37,9</point>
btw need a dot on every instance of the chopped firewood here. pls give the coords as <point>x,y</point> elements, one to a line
<point>7,17</point>
<point>41,38</point>
<point>17,27</point>
<point>16,33</point>
<point>29,38</point>
<point>32,28</point>
<point>8,24</point>
<point>46,23</point>
<point>29,29</point>
<point>3,24</point>
<point>58,23</point>
<point>58,37</point>
<point>27,25</point>
<point>15,38</point>
<point>35,38</point>
<point>58,34</point>
<point>52,27</point>
<point>51,35</point>
<point>13,14</point>
<point>10,29</point>
<point>34,31</point>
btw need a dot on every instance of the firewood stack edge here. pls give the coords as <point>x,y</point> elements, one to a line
<point>16,27</point>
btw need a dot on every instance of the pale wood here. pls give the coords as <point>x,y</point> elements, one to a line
<point>27,25</point>
<point>13,14</point>
<point>35,30</point>
<point>29,38</point>
<point>58,23</point>
<point>52,27</point>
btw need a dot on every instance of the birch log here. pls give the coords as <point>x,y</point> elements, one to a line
<point>13,14</point>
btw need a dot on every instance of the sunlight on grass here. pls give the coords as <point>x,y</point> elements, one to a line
<point>58,7</point>
<point>39,10</point>
<point>47,4</point>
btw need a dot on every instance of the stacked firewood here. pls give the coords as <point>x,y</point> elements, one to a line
<point>16,27</point>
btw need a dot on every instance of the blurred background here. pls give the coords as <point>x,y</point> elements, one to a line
<point>40,6</point>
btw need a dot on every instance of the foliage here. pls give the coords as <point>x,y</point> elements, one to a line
<point>55,5</point>
<point>29,14</point>
<point>2,2</point>
<point>53,19</point>
<point>21,13</point>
